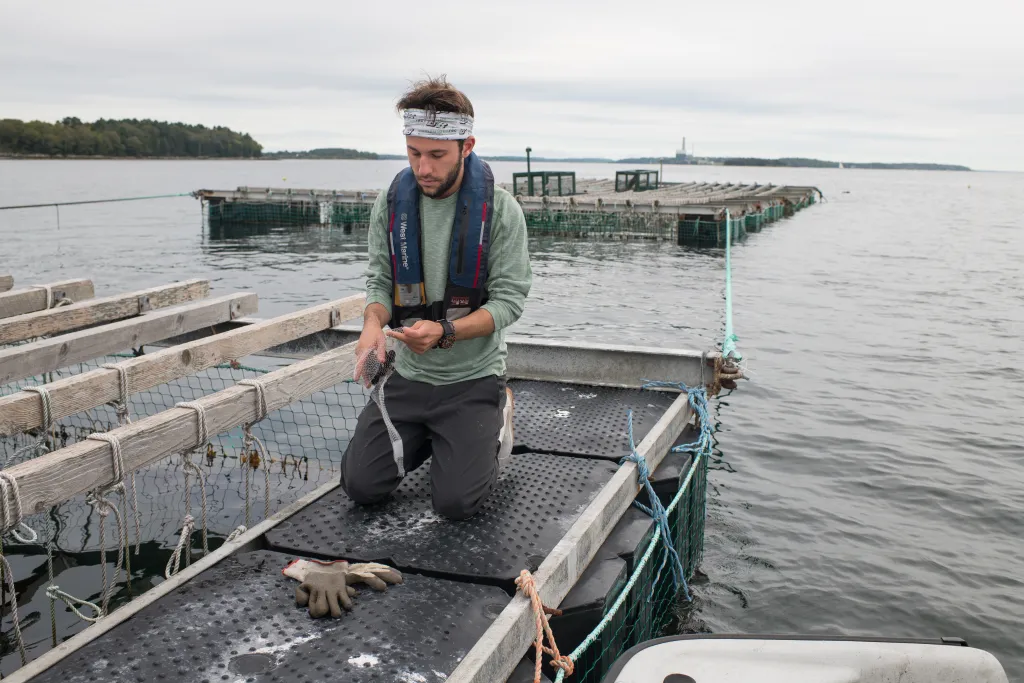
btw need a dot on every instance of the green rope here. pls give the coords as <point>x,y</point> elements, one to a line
<point>637,572</point>
<point>96,201</point>
<point>729,343</point>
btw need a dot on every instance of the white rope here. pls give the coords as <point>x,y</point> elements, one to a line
<point>124,418</point>
<point>5,568</point>
<point>54,592</point>
<point>186,534</point>
<point>117,462</point>
<point>189,466</point>
<point>397,448</point>
<point>50,303</point>
<point>104,507</point>
<point>47,424</point>
<point>202,434</point>
<point>261,396</point>
<point>250,439</point>
<point>239,530</point>
<point>10,507</point>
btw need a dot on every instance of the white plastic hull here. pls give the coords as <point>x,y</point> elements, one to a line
<point>782,659</point>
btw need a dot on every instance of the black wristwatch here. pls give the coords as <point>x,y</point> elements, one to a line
<point>447,339</point>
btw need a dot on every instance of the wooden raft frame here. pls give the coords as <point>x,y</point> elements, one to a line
<point>63,474</point>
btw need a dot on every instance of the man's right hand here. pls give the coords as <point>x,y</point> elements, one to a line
<point>372,340</point>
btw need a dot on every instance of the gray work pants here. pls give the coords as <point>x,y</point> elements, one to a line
<point>457,423</point>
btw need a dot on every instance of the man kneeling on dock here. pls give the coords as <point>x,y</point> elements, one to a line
<point>449,271</point>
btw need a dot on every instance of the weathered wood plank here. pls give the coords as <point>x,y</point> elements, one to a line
<point>23,411</point>
<point>6,282</point>
<point>505,642</point>
<point>30,299</point>
<point>96,311</point>
<point>46,355</point>
<point>58,476</point>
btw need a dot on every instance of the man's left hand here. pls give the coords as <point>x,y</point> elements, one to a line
<point>421,337</point>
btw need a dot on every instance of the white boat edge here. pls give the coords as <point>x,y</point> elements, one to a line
<point>725,658</point>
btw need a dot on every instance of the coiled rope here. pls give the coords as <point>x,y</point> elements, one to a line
<point>10,497</point>
<point>188,525</point>
<point>10,507</point>
<point>47,426</point>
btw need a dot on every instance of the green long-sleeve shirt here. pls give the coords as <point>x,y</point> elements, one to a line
<point>509,279</point>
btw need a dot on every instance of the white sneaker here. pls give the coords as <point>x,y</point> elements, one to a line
<point>505,436</point>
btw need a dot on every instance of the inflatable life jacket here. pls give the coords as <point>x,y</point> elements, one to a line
<point>465,290</point>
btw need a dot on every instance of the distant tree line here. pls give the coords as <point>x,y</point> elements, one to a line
<point>123,138</point>
<point>324,153</point>
<point>818,163</point>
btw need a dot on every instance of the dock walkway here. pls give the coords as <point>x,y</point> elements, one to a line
<point>562,510</point>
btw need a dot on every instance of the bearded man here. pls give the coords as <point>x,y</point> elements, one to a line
<point>449,271</point>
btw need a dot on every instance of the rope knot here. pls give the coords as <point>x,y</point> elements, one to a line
<point>525,582</point>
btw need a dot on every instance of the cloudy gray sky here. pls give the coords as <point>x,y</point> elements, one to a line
<point>890,80</point>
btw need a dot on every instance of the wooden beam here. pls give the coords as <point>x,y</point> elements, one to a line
<point>504,643</point>
<point>23,411</point>
<point>30,299</point>
<point>46,355</point>
<point>55,477</point>
<point>96,311</point>
<point>6,282</point>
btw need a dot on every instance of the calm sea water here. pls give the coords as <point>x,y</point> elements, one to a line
<point>870,475</point>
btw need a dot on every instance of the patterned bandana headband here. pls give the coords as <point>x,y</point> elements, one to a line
<point>436,125</point>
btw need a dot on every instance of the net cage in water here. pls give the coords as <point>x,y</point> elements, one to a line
<point>286,207</point>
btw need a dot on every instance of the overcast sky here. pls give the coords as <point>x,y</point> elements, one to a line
<point>894,80</point>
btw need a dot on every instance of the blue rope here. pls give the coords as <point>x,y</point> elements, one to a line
<point>657,511</point>
<point>698,399</point>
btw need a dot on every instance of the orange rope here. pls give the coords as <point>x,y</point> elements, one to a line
<point>529,588</point>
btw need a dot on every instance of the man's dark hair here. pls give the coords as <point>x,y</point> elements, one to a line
<point>435,94</point>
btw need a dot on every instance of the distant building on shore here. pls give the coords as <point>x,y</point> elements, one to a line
<point>681,156</point>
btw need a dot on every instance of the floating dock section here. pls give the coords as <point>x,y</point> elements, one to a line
<point>95,392</point>
<point>692,214</point>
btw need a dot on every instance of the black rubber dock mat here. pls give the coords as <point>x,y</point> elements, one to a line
<point>576,419</point>
<point>531,507</point>
<point>239,622</point>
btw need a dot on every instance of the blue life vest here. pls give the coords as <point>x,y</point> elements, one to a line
<point>465,290</point>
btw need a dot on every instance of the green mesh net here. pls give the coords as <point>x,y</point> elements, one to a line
<point>286,214</point>
<point>647,605</point>
<point>304,440</point>
<point>553,220</point>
